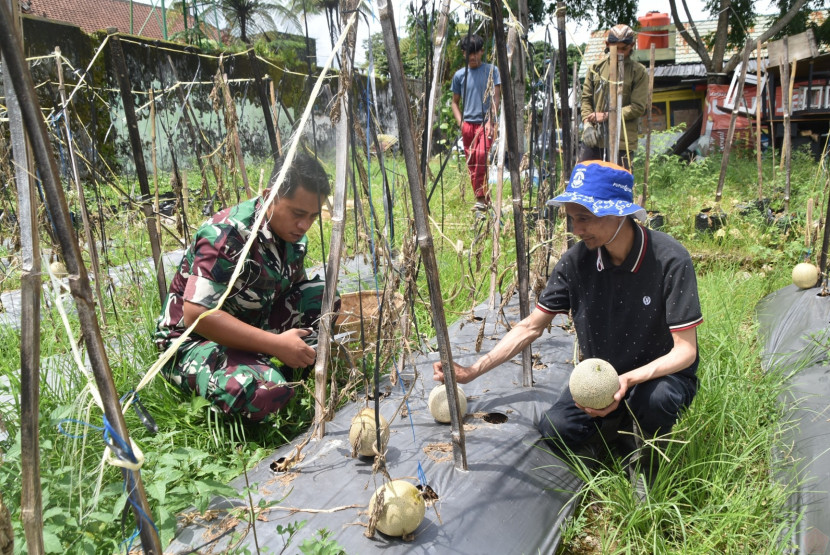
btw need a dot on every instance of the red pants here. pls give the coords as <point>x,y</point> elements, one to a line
<point>476,148</point>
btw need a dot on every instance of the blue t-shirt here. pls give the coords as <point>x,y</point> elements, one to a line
<point>476,106</point>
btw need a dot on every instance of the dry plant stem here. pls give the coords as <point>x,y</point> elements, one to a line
<point>514,149</point>
<point>758,123</point>
<point>233,133</point>
<point>153,162</point>
<point>117,54</point>
<point>730,134</point>
<point>788,154</point>
<point>256,69</point>
<point>31,502</point>
<point>419,209</point>
<point>90,239</point>
<point>78,280</point>
<point>338,226</point>
<point>275,117</point>
<point>439,40</point>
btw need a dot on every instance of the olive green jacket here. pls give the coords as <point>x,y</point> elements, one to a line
<point>595,92</point>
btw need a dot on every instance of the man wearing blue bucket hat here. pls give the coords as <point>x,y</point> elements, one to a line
<point>632,294</point>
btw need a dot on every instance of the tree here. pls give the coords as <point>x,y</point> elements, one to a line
<point>732,17</point>
<point>243,17</point>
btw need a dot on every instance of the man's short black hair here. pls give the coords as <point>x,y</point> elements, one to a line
<point>306,172</point>
<point>472,44</point>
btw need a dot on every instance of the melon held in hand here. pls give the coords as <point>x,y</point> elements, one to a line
<point>593,383</point>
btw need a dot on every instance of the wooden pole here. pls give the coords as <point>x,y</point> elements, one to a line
<point>338,227</point>
<point>576,117</point>
<point>189,123</point>
<point>649,100</point>
<point>438,42</point>
<point>514,156</point>
<point>788,111</point>
<point>125,87</point>
<point>154,162</point>
<point>564,104</point>
<point>256,69</point>
<point>730,133</point>
<point>275,116</point>
<point>90,238</point>
<point>758,124</point>
<point>612,146</point>
<point>31,499</point>
<point>400,98</point>
<point>79,286</point>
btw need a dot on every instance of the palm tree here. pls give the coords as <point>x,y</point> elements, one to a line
<point>242,17</point>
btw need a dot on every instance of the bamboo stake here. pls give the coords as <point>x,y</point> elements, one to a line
<point>138,157</point>
<point>338,228</point>
<point>31,499</point>
<point>619,116</point>
<point>90,238</point>
<point>153,162</point>
<point>564,105</point>
<point>758,124</point>
<point>79,286</point>
<point>576,117</point>
<point>788,154</point>
<point>494,267</point>
<point>730,134</point>
<point>233,133</point>
<point>515,155</point>
<point>256,69</point>
<point>275,116</point>
<point>825,243</point>
<point>400,98</point>
<point>649,100</point>
<point>439,40</point>
<point>189,124</point>
<point>612,145</point>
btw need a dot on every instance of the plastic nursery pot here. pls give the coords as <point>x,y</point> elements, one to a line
<point>710,220</point>
<point>655,220</point>
<point>760,206</point>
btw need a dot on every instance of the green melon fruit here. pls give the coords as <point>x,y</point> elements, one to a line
<point>403,508</point>
<point>805,275</point>
<point>439,408</point>
<point>593,383</point>
<point>362,436</point>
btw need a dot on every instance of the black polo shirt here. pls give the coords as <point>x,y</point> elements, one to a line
<point>625,314</point>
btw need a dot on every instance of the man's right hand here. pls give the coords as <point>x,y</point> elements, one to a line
<point>463,374</point>
<point>293,351</point>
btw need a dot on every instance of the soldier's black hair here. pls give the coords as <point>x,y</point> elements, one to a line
<point>306,172</point>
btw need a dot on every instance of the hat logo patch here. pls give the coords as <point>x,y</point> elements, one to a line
<point>624,187</point>
<point>646,300</point>
<point>578,178</point>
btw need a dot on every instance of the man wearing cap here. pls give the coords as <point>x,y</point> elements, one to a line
<point>480,85</point>
<point>632,295</point>
<point>596,101</point>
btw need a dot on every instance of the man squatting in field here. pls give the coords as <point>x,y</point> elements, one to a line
<point>228,359</point>
<point>478,121</point>
<point>632,294</point>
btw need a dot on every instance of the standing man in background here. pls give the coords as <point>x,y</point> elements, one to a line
<point>480,85</point>
<point>596,93</point>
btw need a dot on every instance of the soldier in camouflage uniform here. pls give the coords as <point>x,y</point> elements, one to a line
<point>241,356</point>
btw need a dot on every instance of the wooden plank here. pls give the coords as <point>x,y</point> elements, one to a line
<point>797,47</point>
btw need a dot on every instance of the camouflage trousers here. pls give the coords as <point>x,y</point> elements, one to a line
<point>242,382</point>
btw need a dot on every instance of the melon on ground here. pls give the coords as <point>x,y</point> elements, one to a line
<point>362,435</point>
<point>403,508</point>
<point>439,407</point>
<point>805,275</point>
<point>593,383</point>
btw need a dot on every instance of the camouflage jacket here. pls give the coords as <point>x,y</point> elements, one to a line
<point>596,92</point>
<point>272,269</point>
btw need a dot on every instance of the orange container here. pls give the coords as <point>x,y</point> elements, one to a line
<point>646,36</point>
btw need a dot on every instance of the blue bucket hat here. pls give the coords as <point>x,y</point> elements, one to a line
<point>604,188</point>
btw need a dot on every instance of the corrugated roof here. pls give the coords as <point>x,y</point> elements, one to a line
<point>686,61</point>
<point>95,15</point>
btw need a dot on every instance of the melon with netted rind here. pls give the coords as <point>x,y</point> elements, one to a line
<point>805,275</point>
<point>593,383</point>
<point>363,435</point>
<point>403,508</point>
<point>439,407</point>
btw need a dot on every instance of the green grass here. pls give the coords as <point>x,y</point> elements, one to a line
<point>716,495</point>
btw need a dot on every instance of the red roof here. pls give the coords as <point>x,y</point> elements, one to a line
<point>95,15</point>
